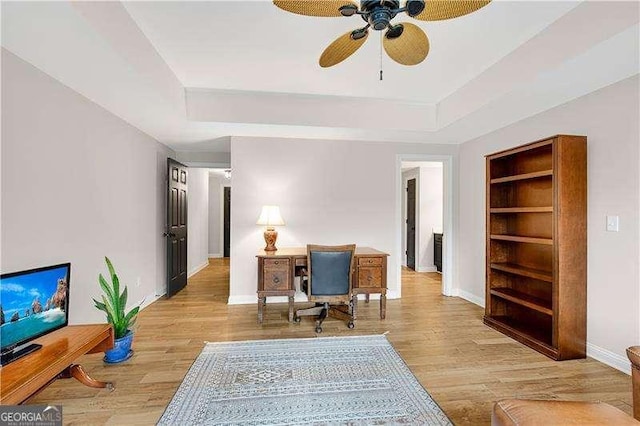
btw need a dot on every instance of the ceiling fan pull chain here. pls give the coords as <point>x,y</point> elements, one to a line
<point>380,55</point>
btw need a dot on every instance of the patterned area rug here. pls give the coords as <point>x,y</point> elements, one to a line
<point>324,381</point>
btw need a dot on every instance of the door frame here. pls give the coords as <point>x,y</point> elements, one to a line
<point>172,162</point>
<point>222,186</point>
<point>415,222</point>
<point>450,239</point>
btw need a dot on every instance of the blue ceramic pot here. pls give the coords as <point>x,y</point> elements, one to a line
<point>121,349</point>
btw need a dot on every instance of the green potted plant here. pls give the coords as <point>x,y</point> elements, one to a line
<point>114,304</point>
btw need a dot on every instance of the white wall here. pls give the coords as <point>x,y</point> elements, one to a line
<point>198,220</point>
<point>78,183</point>
<point>431,210</point>
<point>216,214</point>
<point>329,192</point>
<point>609,118</point>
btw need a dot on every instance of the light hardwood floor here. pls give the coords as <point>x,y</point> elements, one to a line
<point>464,365</point>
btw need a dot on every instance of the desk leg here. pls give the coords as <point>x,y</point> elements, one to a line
<point>77,372</point>
<point>354,307</point>
<point>366,298</point>
<point>290,308</point>
<point>383,305</point>
<point>261,302</point>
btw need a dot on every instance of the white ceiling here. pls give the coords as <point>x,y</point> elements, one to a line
<point>192,74</point>
<point>255,46</point>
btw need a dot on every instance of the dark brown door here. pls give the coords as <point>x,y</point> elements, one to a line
<point>411,224</point>
<point>227,221</point>
<point>176,233</point>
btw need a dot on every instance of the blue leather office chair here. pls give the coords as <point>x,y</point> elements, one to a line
<point>329,284</point>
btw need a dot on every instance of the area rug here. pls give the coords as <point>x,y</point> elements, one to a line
<point>357,380</point>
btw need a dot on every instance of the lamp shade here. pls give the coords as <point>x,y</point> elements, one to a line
<point>270,216</point>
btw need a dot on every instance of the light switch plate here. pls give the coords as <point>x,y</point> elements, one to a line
<point>613,223</point>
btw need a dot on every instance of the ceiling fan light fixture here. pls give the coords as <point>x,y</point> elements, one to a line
<point>358,34</point>
<point>348,9</point>
<point>414,7</point>
<point>394,31</point>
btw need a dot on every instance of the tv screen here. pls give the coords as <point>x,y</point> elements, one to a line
<point>33,303</point>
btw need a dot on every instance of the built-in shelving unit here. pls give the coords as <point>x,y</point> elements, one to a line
<point>536,245</point>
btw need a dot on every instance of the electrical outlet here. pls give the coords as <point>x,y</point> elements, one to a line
<point>613,223</point>
<point>138,281</point>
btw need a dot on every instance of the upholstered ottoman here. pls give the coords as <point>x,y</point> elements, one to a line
<point>525,412</point>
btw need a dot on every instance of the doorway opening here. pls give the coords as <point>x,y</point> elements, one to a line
<point>424,212</point>
<point>219,213</point>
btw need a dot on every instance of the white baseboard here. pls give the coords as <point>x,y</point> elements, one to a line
<point>427,269</point>
<point>243,300</point>
<point>198,268</point>
<point>470,297</point>
<point>148,300</point>
<point>612,359</point>
<point>214,255</point>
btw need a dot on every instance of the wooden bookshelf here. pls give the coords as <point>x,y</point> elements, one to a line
<point>536,245</point>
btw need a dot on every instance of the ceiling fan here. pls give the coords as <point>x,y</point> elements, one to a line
<point>404,42</point>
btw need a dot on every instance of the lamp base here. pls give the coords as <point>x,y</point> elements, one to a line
<point>270,237</point>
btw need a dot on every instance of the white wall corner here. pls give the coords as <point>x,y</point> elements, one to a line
<point>470,297</point>
<point>612,359</point>
<point>197,269</point>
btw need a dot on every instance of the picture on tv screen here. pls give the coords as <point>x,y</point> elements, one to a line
<point>33,303</point>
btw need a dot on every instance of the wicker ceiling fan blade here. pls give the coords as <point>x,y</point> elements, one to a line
<point>406,44</point>
<point>438,10</point>
<point>343,47</point>
<point>328,8</point>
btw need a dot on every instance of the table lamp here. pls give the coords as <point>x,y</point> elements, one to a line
<point>270,216</point>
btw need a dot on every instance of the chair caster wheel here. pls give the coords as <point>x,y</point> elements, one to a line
<point>318,329</point>
<point>351,324</point>
<point>296,319</point>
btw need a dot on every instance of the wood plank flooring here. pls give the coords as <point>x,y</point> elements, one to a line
<point>464,365</point>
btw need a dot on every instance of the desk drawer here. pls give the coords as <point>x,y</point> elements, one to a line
<point>276,263</point>
<point>369,277</point>
<point>276,279</point>
<point>367,261</point>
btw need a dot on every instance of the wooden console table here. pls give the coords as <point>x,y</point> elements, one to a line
<point>60,349</point>
<point>276,271</point>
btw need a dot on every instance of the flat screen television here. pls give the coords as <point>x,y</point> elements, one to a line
<point>32,304</point>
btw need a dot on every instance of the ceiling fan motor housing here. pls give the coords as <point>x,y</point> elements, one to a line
<point>379,13</point>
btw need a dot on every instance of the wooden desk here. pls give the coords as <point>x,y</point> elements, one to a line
<point>25,377</point>
<point>276,272</point>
